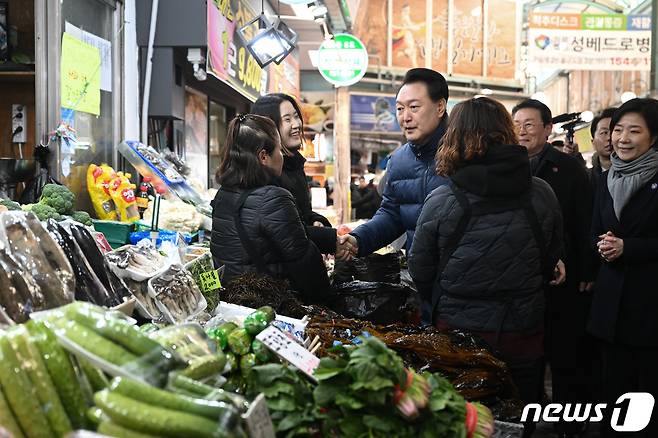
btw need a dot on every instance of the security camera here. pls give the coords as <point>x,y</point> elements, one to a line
<point>195,58</point>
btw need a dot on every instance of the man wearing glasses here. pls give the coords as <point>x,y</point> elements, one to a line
<point>569,349</point>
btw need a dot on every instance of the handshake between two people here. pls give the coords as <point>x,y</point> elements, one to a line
<point>346,247</point>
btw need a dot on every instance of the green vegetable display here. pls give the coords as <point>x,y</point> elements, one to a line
<point>44,212</point>
<point>239,341</point>
<point>256,322</point>
<point>261,352</point>
<point>11,205</point>
<point>82,217</point>
<point>58,197</point>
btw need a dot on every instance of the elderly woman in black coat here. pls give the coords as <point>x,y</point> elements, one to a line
<point>256,225</point>
<point>624,310</point>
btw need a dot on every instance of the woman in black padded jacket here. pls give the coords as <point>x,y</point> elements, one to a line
<point>256,225</point>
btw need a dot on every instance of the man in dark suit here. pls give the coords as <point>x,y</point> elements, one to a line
<point>569,349</point>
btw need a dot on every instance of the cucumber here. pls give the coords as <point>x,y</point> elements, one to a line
<point>120,331</point>
<point>29,356</point>
<point>269,313</point>
<point>95,416</point>
<point>7,419</point>
<point>178,381</point>
<point>94,343</point>
<point>21,394</point>
<point>110,428</point>
<point>239,341</point>
<point>96,377</point>
<point>143,417</point>
<point>61,372</point>
<point>165,399</point>
<point>205,366</point>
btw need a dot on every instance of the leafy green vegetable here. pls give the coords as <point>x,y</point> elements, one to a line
<point>11,205</point>
<point>82,217</point>
<point>58,197</point>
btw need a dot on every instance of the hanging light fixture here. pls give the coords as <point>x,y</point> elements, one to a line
<point>272,41</point>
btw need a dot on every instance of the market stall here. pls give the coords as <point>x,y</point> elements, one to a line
<point>143,340</point>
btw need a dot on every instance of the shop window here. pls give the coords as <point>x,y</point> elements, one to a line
<point>93,23</point>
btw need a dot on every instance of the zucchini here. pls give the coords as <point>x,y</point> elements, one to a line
<point>143,417</point>
<point>96,377</point>
<point>110,428</point>
<point>117,330</point>
<point>165,399</point>
<point>205,366</point>
<point>20,393</point>
<point>94,343</point>
<point>36,371</point>
<point>7,419</point>
<point>61,372</point>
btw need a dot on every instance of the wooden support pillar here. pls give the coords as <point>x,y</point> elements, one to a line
<point>342,172</point>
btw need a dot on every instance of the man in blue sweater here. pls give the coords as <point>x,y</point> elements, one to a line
<point>411,171</point>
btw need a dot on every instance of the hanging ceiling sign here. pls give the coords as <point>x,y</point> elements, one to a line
<point>343,61</point>
<point>590,42</point>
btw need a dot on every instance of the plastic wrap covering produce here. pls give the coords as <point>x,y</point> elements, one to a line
<point>145,304</point>
<point>254,290</point>
<point>375,267</point>
<point>139,262</point>
<point>381,303</point>
<point>34,272</point>
<point>201,265</point>
<point>471,368</point>
<point>176,215</point>
<point>110,343</point>
<point>176,294</point>
<point>88,265</point>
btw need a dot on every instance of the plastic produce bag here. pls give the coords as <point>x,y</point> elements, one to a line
<point>98,183</point>
<point>375,267</point>
<point>381,303</point>
<point>33,189</point>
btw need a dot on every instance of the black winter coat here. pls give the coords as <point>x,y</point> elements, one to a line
<point>273,227</point>
<point>569,181</point>
<point>625,303</point>
<point>293,179</point>
<point>494,280</point>
<point>368,202</point>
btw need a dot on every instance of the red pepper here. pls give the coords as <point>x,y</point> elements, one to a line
<point>471,419</point>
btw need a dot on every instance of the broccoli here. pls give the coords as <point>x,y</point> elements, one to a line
<point>82,217</point>
<point>11,205</point>
<point>45,212</point>
<point>58,197</point>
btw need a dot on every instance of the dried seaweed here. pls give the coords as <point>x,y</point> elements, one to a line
<point>255,290</point>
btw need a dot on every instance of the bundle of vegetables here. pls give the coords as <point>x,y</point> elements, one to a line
<point>40,395</point>
<point>256,290</point>
<point>56,202</point>
<point>200,266</point>
<point>129,408</point>
<point>112,340</point>
<point>289,399</point>
<point>365,390</point>
<point>243,351</point>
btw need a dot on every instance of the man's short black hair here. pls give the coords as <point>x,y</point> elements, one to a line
<point>605,114</point>
<point>544,111</point>
<point>437,87</point>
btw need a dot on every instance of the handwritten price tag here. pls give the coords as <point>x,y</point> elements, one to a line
<point>290,350</point>
<point>210,280</point>
<point>258,421</point>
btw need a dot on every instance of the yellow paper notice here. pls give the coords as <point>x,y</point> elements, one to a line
<point>80,76</point>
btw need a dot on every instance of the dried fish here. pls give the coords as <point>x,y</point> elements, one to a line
<point>54,254</point>
<point>178,292</point>
<point>25,247</point>
<point>141,258</point>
